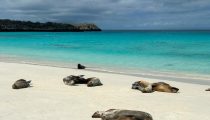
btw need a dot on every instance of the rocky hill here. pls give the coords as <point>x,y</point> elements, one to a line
<point>13,26</point>
<point>88,27</point>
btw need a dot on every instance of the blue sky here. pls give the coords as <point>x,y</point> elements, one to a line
<point>113,14</point>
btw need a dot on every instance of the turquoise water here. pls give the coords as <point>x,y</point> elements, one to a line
<point>162,51</point>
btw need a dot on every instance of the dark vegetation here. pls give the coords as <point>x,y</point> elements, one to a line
<point>18,26</point>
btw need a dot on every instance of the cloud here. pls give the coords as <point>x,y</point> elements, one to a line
<point>113,14</point>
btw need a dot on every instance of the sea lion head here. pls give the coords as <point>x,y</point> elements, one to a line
<point>135,85</point>
<point>97,114</point>
<point>141,83</point>
<point>14,86</point>
<point>174,89</point>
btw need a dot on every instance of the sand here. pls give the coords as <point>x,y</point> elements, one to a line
<point>50,99</point>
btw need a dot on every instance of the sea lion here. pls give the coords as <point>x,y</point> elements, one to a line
<point>117,114</point>
<point>143,86</point>
<point>164,87</point>
<point>68,81</point>
<point>73,79</point>
<point>79,66</point>
<point>94,82</point>
<point>208,89</point>
<point>21,83</point>
<point>147,87</point>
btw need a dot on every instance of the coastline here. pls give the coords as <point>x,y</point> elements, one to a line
<point>49,98</point>
<point>172,76</point>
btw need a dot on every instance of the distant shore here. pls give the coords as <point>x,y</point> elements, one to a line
<point>7,25</point>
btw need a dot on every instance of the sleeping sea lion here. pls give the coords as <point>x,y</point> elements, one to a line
<point>73,79</point>
<point>208,89</point>
<point>21,83</point>
<point>93,82</point>
<point>164,87</point>
<point>143,86</point>
<point>117,114</point>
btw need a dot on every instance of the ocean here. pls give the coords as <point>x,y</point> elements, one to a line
<point>143,52</point>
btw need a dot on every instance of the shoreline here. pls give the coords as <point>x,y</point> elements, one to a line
<point>175,77</point>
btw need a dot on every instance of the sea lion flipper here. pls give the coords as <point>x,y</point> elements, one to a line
<point>28,81</point>
<point>81,76</point>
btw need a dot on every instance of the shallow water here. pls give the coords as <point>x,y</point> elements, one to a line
<point>158,51</point>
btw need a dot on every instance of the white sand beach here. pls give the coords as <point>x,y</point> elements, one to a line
<point>50,99</point>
